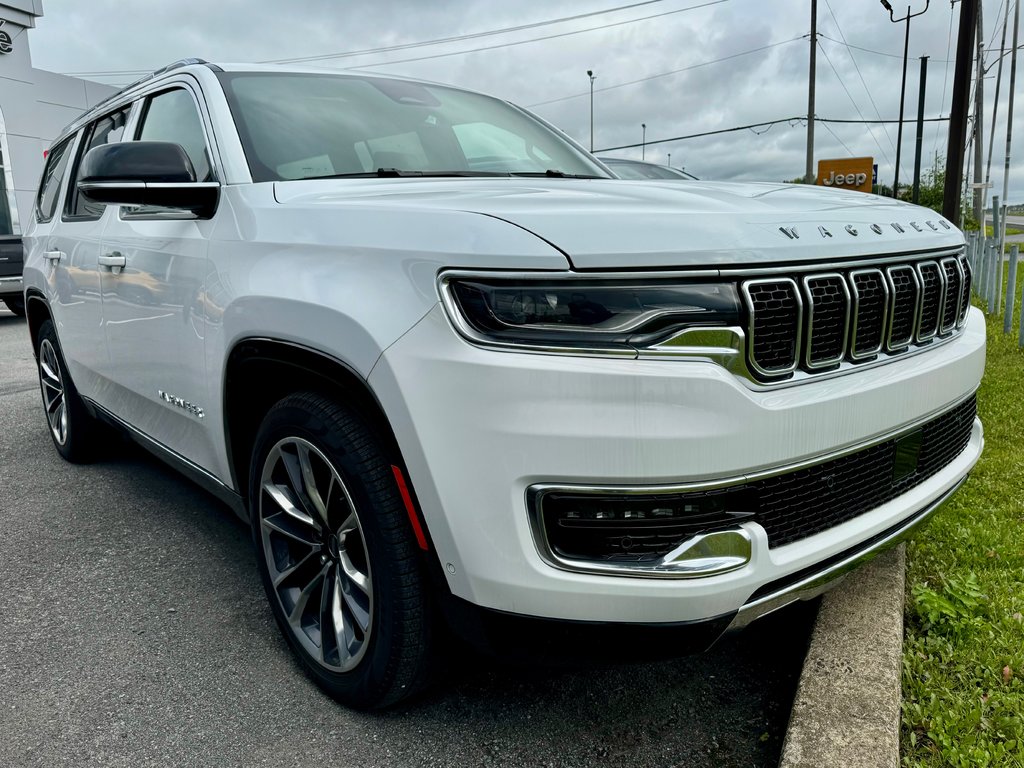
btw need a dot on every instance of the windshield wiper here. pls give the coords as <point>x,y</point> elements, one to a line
<point>400,173</point>
<point>552,173</point>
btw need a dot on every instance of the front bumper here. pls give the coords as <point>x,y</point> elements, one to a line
<point>478,428</point>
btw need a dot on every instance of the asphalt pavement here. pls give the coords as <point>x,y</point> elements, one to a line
<point>134,632</point>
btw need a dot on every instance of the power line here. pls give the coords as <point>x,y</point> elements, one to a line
<point>945,81</point>
<point>793,121</point>
<point>872,50</point>
<point>856,66</point>
<point>457,38</point>
<point>670,72</point>
<point>852,101</point>
<point>827,128</point>
<point>471,35</point>
<point>545,37</point>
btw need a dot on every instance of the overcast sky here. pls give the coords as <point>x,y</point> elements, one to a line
<point>549,75</point>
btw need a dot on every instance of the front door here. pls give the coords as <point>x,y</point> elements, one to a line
<point>154,266</point>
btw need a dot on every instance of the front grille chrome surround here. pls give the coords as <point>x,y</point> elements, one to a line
<point>933,299</point>
<point>904,306</point>
<point>869,294</point>
<point>851,316</point>
<point>820,293</point>
<point>775,309</point>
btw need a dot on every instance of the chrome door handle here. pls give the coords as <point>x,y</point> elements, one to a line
<point>114,259</point>
<point>53,255</point>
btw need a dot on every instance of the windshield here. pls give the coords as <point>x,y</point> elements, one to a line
<point>631,169</point>
<point>302,126</point>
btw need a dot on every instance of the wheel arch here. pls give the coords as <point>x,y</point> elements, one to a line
<point>37,311</point>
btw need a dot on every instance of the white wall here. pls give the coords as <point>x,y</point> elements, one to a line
<point>35,105</point>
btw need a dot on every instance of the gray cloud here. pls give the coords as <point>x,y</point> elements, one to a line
<point>771,84</point>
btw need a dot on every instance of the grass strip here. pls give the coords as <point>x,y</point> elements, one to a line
<point>963,654</point>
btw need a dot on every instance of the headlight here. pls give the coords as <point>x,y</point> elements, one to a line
<point>586,314</point>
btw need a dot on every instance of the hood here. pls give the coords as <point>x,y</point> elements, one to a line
<point>620,224</point>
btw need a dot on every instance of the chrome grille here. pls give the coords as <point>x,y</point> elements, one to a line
<point>821,320</point>
<point>933,294</point>
<point>870,296</point>
<point>827,319</point>
<point>775,315</point>
<point>904,301</point>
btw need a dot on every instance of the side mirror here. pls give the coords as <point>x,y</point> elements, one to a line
<point>146,173</point>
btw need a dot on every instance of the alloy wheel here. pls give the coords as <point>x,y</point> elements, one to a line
<point>53,392</point>
<point>316,554</point>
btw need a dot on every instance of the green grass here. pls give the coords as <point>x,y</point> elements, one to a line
<point>1009,231</point>
<point>963,654</point>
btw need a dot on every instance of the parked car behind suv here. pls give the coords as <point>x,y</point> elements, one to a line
<point>11,286</point>
<point>455,374</point>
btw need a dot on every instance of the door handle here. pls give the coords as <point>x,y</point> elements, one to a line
<point>115,260</point>
<point>53,255</point>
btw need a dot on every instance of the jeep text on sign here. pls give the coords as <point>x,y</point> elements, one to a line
<point>846,173</point>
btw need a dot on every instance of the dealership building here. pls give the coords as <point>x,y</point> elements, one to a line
<point>34,106</point>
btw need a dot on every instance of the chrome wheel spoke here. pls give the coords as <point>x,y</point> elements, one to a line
<point>319,570</point>
<point>53,392</point>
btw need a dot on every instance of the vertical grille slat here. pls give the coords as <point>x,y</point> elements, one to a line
<point>904,301</point>
<point>824,320</point>
<point>965,291</point>
<point>951,305</point>
<point>828,319</point>
<point>775,318</point>
<point>870,299</point>
<point>932,296</point>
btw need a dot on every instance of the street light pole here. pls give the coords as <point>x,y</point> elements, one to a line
<point>669,159</point>
<point>643,144</point>
<point>903,87</point>
<point>593,77</point>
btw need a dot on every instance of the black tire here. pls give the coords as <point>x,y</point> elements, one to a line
<point>16,305</point>
<point>75,433</point>
<point>344,563</point>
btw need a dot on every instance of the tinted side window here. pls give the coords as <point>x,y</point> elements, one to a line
<point>106,130</point>
<point>172,116</point>
<point>49,186</point>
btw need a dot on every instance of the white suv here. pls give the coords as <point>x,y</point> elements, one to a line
<point>457,375</point>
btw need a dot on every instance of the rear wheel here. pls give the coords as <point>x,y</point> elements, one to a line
<point>336,554</point>
<point>73,430</point>
<point>16,305</point>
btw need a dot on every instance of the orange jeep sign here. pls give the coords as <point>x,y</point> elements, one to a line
<point>846,173</point>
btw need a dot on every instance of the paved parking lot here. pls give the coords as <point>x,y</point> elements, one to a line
<point>133,632</point>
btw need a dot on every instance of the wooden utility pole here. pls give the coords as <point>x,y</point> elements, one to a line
<point>809,170</point>
<point>958,112</point>
<point>979,121</point>
<point>922,80</point>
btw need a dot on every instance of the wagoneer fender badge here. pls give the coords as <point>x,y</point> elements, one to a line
<point>185,405</point>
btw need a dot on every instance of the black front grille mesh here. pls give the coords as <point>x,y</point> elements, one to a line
<point>790,507</point>
<point>853,316</point>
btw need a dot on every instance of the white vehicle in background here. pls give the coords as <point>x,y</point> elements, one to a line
<point>638,170</point>
<point>455,374</point>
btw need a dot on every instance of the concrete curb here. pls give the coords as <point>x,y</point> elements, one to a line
<point>847,706</point>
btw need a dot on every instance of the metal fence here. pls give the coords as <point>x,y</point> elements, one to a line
<point>987,261</point>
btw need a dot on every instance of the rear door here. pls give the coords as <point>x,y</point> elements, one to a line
<point>153,315</point>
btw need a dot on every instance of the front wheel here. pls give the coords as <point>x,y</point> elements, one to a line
<point>336,553</point>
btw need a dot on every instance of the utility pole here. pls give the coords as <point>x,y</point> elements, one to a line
<point>958,112</point>
<point>920,129</point>
<point>1009,130</point>
<point>903,86</point>
<point>995,111</point>
<point>643,143</point>
<point>979,106</point>
<point>809,169</point>
<point>593,77</point>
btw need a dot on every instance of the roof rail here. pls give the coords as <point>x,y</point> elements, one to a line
<point>173,65</point>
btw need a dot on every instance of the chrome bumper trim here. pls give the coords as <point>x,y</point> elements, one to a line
<point>12,285</point>
<point>818,583</point>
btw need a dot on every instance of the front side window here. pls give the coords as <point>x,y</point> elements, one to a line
<point>106,130</point>
<point>172,116</point>
<point>302,126</point>
<point>49,186</point>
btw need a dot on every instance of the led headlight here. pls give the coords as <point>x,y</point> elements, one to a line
<point>586,313</point>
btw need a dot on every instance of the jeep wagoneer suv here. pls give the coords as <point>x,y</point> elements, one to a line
<point>456,374</point>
